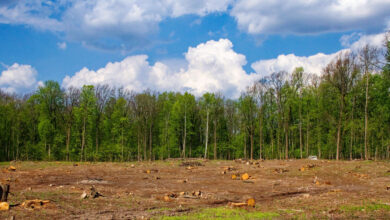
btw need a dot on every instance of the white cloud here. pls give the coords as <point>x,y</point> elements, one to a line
<point>376,40</point>
<point>19,78</point>
<point>35,13</point>
<point>213,66</point>
<point>316,63</point>
<point>113,25</point>
<point>124,25</point>
<point>62,45</point>
<point>310,17</point>
<point>311,64</point>
<point>209,67</point>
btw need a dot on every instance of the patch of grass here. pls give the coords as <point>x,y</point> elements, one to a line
<point>224,213</point>
<point>366,207</point>
<point>31,165</point>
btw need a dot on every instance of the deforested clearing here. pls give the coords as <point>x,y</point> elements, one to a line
<point>323,189</point>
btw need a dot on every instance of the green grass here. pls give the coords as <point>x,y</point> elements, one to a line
<point>366,207</point>
<point>31,165</point>
<point>224,213</point>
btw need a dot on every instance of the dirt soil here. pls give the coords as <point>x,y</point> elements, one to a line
<point>151,190</point>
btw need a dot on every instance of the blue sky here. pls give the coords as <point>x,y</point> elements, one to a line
<point>214,45</point>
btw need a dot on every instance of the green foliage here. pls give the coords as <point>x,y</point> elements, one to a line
<point>288,115</point>
<point>225,213</point>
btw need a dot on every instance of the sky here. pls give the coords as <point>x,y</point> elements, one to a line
<point>178,45</point>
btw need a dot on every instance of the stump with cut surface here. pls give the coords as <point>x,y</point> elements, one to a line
<point>4,190</point>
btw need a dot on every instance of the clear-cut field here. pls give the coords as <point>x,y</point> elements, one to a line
<point>165,189</point>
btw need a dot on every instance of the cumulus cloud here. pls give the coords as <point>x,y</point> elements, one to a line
<point>310,17</point>
<point>19,78</point>
<point>376,40</point>
<point>311,64</point>
<point>211,67</point>
<point>315,63</point>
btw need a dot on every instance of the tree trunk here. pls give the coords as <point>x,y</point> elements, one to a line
<point>207,134</point>
<point>245,146</point>
<point>185,132</point>
<point>145,142</point>
<point>307,136</point>
<point>286,136</point>
<point>366,156</point>
<point>138,146</point>
<point>97,139</point>
<point>251,137</point>
<point>121,142</point>
<point>261,133</point>
<point>272,143</point>
<point>166,136</point>
<point>67,142</point>
<point>300,129</point>
<point>339,126</point>
<point>83,139</point>
<point>150,141</point>
<point>215,139</point>
<point>352,129</point>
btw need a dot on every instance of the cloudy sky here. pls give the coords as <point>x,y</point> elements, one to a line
<point>179,45</point>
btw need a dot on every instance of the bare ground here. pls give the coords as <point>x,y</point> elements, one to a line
<point>322,189</point>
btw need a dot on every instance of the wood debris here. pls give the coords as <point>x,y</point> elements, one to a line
<point>280,170</point>
<point>249,203</point>
<point>94,193</point>
<point>151,171</point>
<point>245,176</point>
<point>238,204</point>
<point>197,193</point>
<point>169,197</point>
<point>84,195</point>
<point>4,206</point>
<point>34,204</point>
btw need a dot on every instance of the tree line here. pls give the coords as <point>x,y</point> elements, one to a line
<point>342,114</point>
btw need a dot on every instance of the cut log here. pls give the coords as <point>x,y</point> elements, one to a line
<point>238,204</point>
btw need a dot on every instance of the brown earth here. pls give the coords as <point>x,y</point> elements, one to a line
<point>144,190</point>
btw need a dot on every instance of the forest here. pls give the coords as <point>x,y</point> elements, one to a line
<point>341,113</point>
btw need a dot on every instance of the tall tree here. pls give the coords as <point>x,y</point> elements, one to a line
<point>340,73</point>
<point>368,57</point>
<point>86,115</point>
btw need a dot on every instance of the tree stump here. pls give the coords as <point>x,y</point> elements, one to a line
<point>4,190</point>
